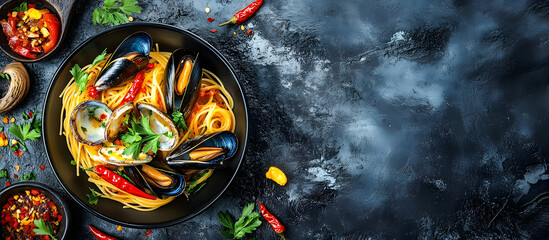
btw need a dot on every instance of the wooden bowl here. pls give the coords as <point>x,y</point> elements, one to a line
<point>61,8</point>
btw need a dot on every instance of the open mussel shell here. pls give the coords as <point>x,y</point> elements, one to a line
<point>131,56</point>
<point>156,181</point>
<point>178,96</point>
<point>114,155</point>
<point>116,121</point>
<point>88,120</point>
<point>181,158</point>
<point>162,124</point>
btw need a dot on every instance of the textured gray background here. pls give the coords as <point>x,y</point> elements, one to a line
<point>392,119</point>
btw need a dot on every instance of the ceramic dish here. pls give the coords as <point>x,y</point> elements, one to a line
<point>62,206</point>
<point>169,38</point>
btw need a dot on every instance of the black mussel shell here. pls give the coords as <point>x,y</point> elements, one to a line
<point>138,177</point>
<point>175,66</point>
<point>180,160</point>
<point>128,59</point>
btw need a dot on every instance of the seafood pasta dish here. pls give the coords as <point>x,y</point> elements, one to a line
<point>147,126</point>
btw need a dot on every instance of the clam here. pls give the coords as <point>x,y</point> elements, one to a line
<point>131,56</point>
<point>88,121</point>
<point>160,123</point>
<point>204,152</point>
<point>116,121</point>
<point>115,155</point>
<point>183,75</point>
<point>156,181</point>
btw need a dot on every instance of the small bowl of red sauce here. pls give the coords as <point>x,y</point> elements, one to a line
<point>30,210</point>
<point>32,30</point>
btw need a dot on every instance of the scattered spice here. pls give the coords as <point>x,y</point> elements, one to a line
<point>242,27</point>
<point>8,183</point>
<point>276,175</point>
<point>249,32</point>
<point>3,140</point>
<point>213,30</point>
<point>130,19</point>
<point>271,219</point>
<point>207,10</point>
<point>234,33</point>
<point>42,167</point>
<point>148,233</point>
<point>17,168</point>
<point>210,19</point>
<point>119,228</point>
<point>15,176</point>
<point>12,120</point>
<point>5,119</point>
<point>245,13</point>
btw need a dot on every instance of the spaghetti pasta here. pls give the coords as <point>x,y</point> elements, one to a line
<point>212,113</point>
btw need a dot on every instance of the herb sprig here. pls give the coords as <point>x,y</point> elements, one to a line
<point>30,176</point>
<point>179,120</point>
<point>21,8</point>
<point>115,12</point>
<point>26,131</point>
<point>43,228</point>
<point>247,223</point>
<point>80,78</point>
<point>93,197</point>
<point>138,134</point>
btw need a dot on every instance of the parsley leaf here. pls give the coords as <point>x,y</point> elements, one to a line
<point>5,76</point>
<point>99,58</point>
<point>30,176</point>
<point>93,197</point>
<point>43,228</point>
<point>247,223</point>
<point>21,8</point>
<point>73,162</point>
<point>4,173</point>
<point>139,134</point>
<point>80,78</point>
<point>179,119</point>
<point>115,12</point>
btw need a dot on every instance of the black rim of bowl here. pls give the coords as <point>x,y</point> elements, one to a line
<point>46,189</point>
<point>218,55</point>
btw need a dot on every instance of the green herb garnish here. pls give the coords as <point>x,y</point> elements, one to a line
<point>43,228</point>
<point>247,223</point>
<point>4,173</point>
<point>73,162</point>
<point>30,176</point>
<point>5,76</point>
<point>115,12</point>
<point>21,8</point>
<point>99,58</point>
<point>80,78</point>
<point>93,197</point>
<point>179,120</point>
<point>138,134</point>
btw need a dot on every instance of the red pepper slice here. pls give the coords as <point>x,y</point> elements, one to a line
<point>25,52</point>
<point>53,26</point>
<point>100,235</point>
<point>7,28</point>
<point>120,182</point>
<point>34,192</point>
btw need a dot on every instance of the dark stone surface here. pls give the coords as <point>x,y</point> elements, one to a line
<point>392,119</point>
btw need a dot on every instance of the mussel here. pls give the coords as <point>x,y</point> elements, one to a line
<point>131,56</point>
<point>183,75</point>
<point>156,181</point>
<point>204,152</point>
<point>88,121</point>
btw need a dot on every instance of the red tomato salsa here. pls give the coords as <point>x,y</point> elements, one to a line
<point>31,32</point>
<point>19,213</point>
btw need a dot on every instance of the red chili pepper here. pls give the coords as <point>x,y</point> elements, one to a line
<point>15,176</point>
<point>271,219</point>
<point>92,91</point>
<point>245,13</point>
<point>136,85</point>
<point>100,235</point>
<point>120,182</point>
<point>53,26</point>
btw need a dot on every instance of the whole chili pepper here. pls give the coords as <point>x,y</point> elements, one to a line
<point>120,182</point>
<point>136,85</point>
<point>245,13</point>
<point>271,219</point>
<point>100,235</point>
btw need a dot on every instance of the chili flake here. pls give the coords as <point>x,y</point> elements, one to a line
<point>42,167</point>
<point>249,32</point>
<point>119,228</point>
<point>12,120</point>
<point>148,233</point>
<point>213,30</point>
<point>8,183</point>
<point>17,168</point>
<point>15,176</point>
<point>210,19</point>
<point>5,119</point>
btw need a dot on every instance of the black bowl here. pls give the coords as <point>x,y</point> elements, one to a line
<point>61,8</point>
<point>169,38</point>
<point>62,206</point>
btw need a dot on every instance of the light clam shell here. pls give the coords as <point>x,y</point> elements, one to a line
<point>93,135</point>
